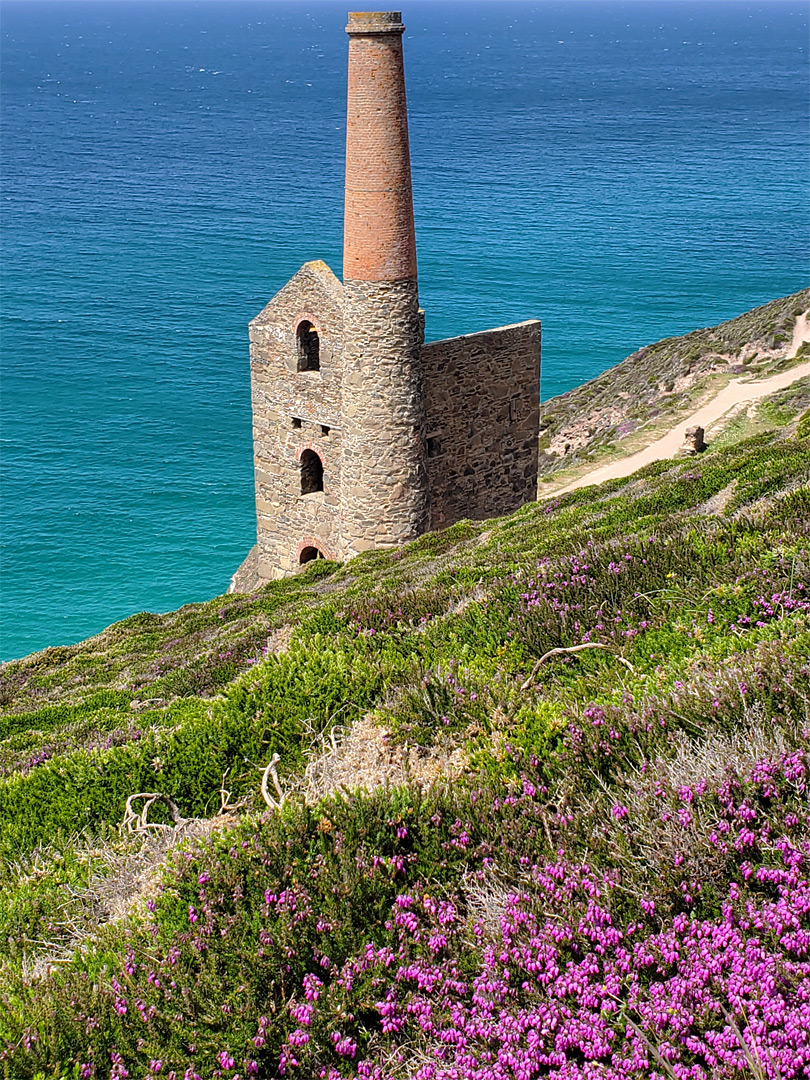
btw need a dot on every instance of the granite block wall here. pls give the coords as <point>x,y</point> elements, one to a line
<point>482,403</point>
<point>385,497</point>
<point>294,411</point>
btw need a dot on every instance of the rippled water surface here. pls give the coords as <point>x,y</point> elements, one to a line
<point>624,171</point>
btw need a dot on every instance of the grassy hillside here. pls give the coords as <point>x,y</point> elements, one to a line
<point>611,879</point>
<point>538,803</point>
<point>659,384</point>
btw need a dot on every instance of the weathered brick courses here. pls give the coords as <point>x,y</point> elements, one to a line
<point>378,232</point>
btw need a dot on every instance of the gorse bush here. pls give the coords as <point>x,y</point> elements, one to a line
<point>277,709</point>
<point>300,693</point>
<point>615,885</point>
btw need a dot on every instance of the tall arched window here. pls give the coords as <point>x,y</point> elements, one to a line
<point>309,347</point>
<point>311,472</point>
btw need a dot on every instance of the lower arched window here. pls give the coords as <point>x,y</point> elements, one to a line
<point>311,472</point>
<point>310,553</point>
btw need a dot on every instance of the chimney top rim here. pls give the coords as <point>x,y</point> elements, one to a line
<point>375,22</point>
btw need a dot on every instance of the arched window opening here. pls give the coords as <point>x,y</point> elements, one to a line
<point>309,347</point>
<point>310,553</point>
<point>311,472</point>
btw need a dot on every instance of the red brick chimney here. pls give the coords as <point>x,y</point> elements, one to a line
<point>378,237</point>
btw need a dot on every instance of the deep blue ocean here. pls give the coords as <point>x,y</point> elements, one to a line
<point>622,170</point>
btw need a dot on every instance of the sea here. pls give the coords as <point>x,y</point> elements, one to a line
<point>624,170</point>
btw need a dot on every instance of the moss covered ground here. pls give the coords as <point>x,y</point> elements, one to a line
<point>613,882</point>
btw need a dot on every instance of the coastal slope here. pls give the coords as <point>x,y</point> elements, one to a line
<point>524,797</point>
<point>657,389</point>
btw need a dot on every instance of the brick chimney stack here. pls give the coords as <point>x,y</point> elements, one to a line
<point>378,239</point>
<point>384,486</point>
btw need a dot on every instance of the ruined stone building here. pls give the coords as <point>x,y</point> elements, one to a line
<point>364,435</point>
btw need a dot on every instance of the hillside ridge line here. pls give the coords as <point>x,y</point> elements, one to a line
<point>735,393</point>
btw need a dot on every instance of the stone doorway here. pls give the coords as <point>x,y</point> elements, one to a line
<point>308,554</point>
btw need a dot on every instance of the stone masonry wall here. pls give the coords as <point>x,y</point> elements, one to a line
<point>387,416</point>
<point>384,496</point>
<point>294,411</point>
<point>483,411</point>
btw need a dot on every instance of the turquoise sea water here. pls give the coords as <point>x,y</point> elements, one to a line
<point>623,170</point>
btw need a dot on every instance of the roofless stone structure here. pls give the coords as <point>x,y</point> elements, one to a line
<point>364,435</point>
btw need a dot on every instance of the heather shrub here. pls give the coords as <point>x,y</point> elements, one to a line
<point>441,703</point>
<point>615,884</point>
<point>288,894</point>
<point>561,991</point>
<point>368,929</point>
<point>559,967</point>
<point>769,683</point>
<point>36,893</point>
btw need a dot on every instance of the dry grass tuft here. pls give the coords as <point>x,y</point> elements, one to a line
<point>715,758</point>
<point>278,641</point>
<point>364,756</point>
<point>127,876</point>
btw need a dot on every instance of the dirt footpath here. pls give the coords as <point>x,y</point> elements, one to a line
<point>736,393</point>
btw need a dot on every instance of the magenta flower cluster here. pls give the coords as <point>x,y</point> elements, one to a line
<point>563,977</point>
<point>559,997</point>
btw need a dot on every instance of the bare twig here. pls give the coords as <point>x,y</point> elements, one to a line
<point>136,821</point>
<point>546,829</point>
<point>270,770</point>
<point>570,649</point>
<point>226,806</point>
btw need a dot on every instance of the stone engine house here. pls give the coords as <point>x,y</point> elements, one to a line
<point>366,436</point>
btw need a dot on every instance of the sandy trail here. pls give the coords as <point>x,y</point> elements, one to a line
<point>735,393</point>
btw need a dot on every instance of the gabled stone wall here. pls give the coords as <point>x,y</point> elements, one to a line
<point>294,411</point>
<point>482,396</point>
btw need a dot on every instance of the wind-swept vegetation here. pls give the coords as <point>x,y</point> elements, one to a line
<point>593,862</point>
